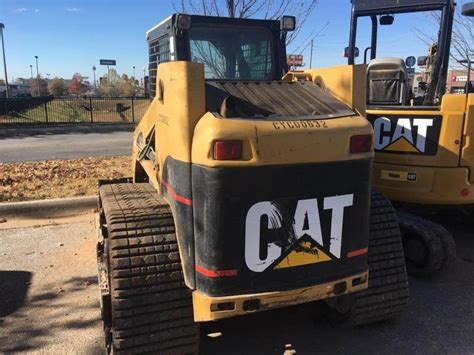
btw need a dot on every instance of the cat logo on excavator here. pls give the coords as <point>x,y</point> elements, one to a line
<point>403,134</point>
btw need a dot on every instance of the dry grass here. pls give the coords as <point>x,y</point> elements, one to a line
<point>58,178</point>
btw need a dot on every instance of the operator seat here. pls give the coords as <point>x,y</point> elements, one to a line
<point>470,87</point>
<point>387,82</point>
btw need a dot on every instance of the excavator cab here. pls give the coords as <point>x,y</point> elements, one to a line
<point>385,74</point>
<point>249,192</point>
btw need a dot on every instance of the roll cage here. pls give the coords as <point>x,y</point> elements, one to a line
<point>374,8</point>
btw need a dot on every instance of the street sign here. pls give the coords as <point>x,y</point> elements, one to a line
<point>411,71</point>
<point>346,53</point>
<point>108,62</point>
<point>460,78</point>
<point>410,62</point>
<point>295,60</point>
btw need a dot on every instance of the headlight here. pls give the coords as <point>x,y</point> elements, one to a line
<point>288,23</point>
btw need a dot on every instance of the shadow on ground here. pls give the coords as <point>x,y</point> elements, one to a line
<point>41,131</point>
<point>13,290</point>
<point>439,320</point>
<point>50,315</point>
<point>65,316</point>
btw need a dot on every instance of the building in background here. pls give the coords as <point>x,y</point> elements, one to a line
<point>414,82</point>
<point>457,80</point>
<point>19,87</point>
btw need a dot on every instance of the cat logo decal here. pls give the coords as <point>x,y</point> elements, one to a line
<point>406,135</point>
<point>276,240</point>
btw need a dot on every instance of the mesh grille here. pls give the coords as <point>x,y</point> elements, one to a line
<point>276,99</point>
<point>159,51</point>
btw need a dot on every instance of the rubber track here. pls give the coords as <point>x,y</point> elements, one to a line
<point>387,294</point>
<point>442,248</point>
<point>152,308</point>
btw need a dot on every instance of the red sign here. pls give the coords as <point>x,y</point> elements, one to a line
<point>295,60</point>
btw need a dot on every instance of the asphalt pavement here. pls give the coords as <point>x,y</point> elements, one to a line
<point>49,304</point>
<point>64,142</point>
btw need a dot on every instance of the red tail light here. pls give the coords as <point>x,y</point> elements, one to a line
<point>361,143</point>
<point>227,150</point>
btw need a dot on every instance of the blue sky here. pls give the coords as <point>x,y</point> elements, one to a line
<point>71,36</point>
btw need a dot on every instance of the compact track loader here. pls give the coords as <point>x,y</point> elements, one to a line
<point>249,193</point>
<point>424,151</point>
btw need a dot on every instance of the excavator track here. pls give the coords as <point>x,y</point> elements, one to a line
<point>428,246</point>
<point>146,304</point>
<point>387,294</point>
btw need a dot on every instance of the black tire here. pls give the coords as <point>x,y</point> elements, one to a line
<point>387,294</point>
<point>448,243</point>
<point>428,246</point>
<point>151,308</point>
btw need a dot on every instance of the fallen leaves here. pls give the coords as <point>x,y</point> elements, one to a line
<point>58,178</point>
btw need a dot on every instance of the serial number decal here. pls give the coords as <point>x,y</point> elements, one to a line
<point>300,124</point>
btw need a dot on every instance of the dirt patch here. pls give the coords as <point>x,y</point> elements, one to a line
<point>58,178</point>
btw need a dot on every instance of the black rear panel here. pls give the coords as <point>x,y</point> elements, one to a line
<point>260,229</point>
<point>302,100</point>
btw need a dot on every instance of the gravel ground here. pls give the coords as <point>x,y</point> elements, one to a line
<point>54,306</point>
<point>49,304</point>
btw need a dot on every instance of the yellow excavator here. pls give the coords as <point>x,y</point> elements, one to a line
<point>249,193</point>
<point>424,144</point>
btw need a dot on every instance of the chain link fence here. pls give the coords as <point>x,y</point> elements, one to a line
<point>49,110</point>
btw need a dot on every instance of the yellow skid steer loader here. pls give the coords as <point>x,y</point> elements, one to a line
<point>249,193</point>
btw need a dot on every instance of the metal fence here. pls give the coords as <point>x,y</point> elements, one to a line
<point>49,110</point>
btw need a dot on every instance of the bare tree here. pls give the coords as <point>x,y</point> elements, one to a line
<point>57,87</point>
<point>462,46</point>
<point>39,87</point>
<point>463,37</point>
<point>266,9</point>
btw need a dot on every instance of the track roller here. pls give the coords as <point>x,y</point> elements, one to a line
<point>428,246</point>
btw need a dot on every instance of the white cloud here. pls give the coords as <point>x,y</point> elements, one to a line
<point>37,10</point>
<point>21,9</point>
<point>73,9</point>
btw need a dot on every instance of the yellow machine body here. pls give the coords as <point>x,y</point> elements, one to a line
<point>185,131</point>
<point>405,174</point>
<point>250,192</point>
<point>402,172</point>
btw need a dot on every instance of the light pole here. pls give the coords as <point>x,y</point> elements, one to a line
<point>95,87</point>
<point>31,70</point>
<point>134,78</point>
<point>37,71</point>
<point>38,82</point>
<point>144,84</point>
<point>2,26</point>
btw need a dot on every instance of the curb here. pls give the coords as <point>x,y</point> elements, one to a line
<point>53,208</point>
<point>10,130</point>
